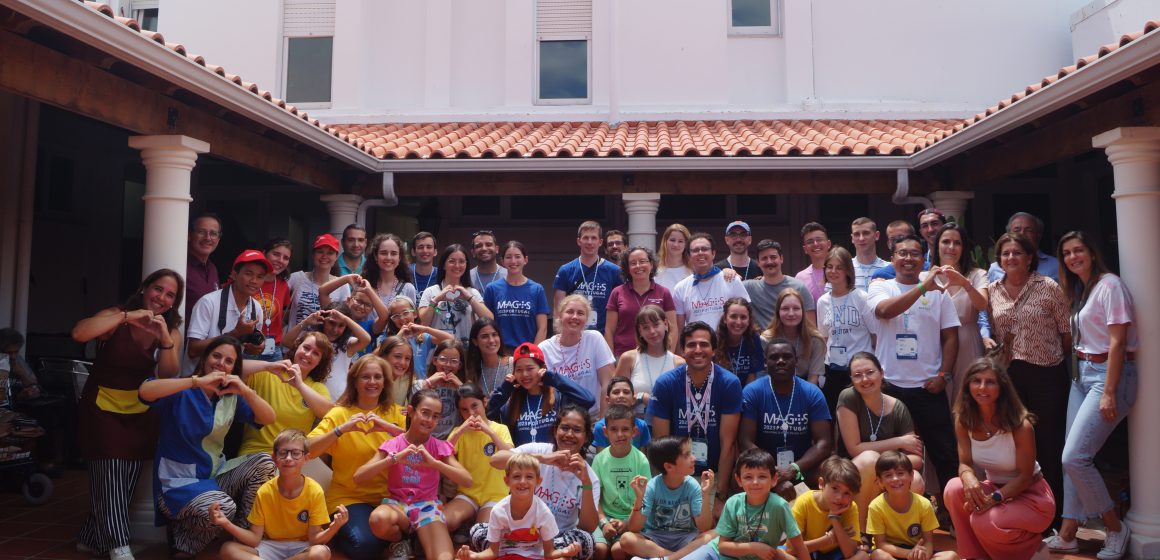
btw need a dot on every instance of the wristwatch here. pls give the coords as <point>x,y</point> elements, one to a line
<point>997,497</point>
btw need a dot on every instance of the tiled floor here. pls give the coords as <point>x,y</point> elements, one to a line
<point>48,532</point>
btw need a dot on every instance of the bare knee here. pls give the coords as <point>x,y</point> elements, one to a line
<point>880,555</point>
<point>600,551</point>
<point>232,550</point>
<point>917,484</point>
<point>318,552</point>
<point>384,522</point>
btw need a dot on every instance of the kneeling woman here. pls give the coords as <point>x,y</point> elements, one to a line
<point>190,472</point>
<point>414,463</point>
<point>1005,515</point>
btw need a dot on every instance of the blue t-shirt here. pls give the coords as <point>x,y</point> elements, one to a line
<point>748,358</point>
<point>596,282</point>
<point>367,325</point>
<point>643,437</point>
<point>666,509</point>
<point>668,402</point>
<point>758,404</point>
<point>516,308</point>
<point>422,282</point>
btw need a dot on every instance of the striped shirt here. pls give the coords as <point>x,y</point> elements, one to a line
<point>1037,316</point>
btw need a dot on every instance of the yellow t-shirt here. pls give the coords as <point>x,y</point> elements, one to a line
<point>288,519</point>
<point>814,522</point>
<point>900,528</point>
<point>474,451</point>
<point>352,451</point>
<point>288,405</point>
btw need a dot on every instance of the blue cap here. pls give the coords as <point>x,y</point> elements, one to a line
<point>739,224</point>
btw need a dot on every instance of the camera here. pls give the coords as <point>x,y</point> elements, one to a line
<point>254,337</point>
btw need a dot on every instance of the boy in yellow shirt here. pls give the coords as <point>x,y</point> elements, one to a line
<point>901,522</point>
<point>828,518</point>
<point>288,514</point>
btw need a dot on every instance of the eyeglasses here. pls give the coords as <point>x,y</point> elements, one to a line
<point>294,453</point>
<point>696,250</point>
<point>401,314</point>
<point>909,254</point>
<point>447,360</point>
<point>207,233</point>
<point>569,429</point>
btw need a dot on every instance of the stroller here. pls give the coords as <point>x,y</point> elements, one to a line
<point>18,468</point>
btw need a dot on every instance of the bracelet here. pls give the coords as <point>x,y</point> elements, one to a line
<point>585,486</point>
<point>921,288</point>
<point>337,432</point>
<point>125,317</point>
<point>834,517</point>
<point>193,379</point>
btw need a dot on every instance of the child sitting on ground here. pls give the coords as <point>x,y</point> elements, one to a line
<point>520,525</point>
<point>901,522</point>
<point>828,517</point>
<point>620,391</point>
<point>672,508</point>
<point>616,466</point>
<point>288,514</point>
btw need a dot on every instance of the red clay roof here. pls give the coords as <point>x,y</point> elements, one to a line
<point>639,139</point>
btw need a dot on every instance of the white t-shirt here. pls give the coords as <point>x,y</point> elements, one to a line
<point>523,537</point>
<point>580,362</point>
<point>455,317</point>
<point>304,299</point>
<point>1109,303</point>
<point>706,301</point>
<point>863,272</point>
<point>910,345</point>
<point>670,277</point>
<point>847,323</point>
<point>203,321</point>
<point>561,490</point>
<point>339,367</point>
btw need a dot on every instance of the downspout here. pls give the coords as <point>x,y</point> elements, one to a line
<point>901,194</point>
<point>389,198</point>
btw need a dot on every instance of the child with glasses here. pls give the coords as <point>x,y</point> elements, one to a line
<point>444,377</point>
<point>289,512</point>
<point>401,321</point>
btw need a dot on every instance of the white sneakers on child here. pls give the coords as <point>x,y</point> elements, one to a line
<point>1115,543</point>
<point>1056,543</point>
<point>400,550</point>
<point>121,553</point>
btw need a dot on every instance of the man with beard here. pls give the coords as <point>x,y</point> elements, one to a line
<point>484,248</point>
<point>917,346</point>
<point>763,291</point>
<point>786,415</point>
<point>739,237</point>
<point>231,310</point>
<point>201,275</point>
<point>614,246</point>
<point>423,269</point>
<point>354,246</point>
<point>702,295</point>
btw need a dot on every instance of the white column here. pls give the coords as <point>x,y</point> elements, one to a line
<point>642,218</point>
<point>1135,157</point>
<point>343,209</point>
<point>953,204</point>
<point>169,162</point>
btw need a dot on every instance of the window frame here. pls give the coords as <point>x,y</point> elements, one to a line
<point>772,30</point>
<point>137,10</point>
<point>285,78</point>
<point>542,38</point>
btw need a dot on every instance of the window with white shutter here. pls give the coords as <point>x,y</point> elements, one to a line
<point>308,51</point>
<point>563,51</point>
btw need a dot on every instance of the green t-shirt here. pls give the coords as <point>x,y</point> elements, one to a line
<point>744,523</point>
<point>615,474</point>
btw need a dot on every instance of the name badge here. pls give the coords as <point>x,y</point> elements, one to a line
<point>268,346</point>
<point>838,351</point>
<point>591,316</point>
<point>784,457</point>
<point>700,450</point>
<point>906,346</point>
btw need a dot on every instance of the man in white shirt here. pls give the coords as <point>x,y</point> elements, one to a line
<point>231,310</point>
<point>702,295</point>
<point>864,235</point>
<point>917,362</point>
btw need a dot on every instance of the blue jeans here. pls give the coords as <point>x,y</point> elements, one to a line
<point>1084,493</point>
<point>355,538</point>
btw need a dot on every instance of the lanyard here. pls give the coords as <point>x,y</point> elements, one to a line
<point>697,411</point>
<point>584,278</point>
<point>268,312</point>
<point>784,416</point>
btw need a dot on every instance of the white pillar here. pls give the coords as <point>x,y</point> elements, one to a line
<point>169,162</point>
<point>1135,157</point>
<point>642,218</point>
<point>953,204</point>
<point>343,209</point>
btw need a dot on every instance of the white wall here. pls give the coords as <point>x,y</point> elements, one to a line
<point>403,60</point>
<point>1104,21</point>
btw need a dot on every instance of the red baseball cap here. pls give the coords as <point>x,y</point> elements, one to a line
<point>529,350</point>
<point>253,255</point>
<point>326,240</point>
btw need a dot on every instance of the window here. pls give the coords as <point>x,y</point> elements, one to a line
<point>308,67</point>
<point>564,70</point>
<point>146,13</point>
<point>754,17</point>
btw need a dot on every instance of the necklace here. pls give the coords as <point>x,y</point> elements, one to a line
<point>870,421</point>
<point>789,408</point>
<point>535,412</point>
<point>754,522</point>
<point>491,279</point>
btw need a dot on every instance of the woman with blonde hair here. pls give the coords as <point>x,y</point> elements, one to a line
<point>790,321</point>
<point>674,256</point>
<point>578,353</point>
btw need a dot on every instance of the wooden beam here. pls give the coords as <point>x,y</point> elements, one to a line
<point>701,182</point>
<point>46,75</point>
<point>1063,138</point>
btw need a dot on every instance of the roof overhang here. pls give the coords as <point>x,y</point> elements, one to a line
<point>636,163</point>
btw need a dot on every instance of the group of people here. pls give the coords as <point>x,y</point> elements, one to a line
<point>446,411</point>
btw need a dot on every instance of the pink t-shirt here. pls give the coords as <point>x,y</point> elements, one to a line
<point>814,279</point>
<point>409,480</point>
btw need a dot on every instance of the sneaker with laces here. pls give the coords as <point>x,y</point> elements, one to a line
<point>400,550</point>
<point>121,553</point>
<point>1056,543</point>
<point>1115,543</point>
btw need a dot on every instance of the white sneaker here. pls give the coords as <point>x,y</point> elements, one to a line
<point>1115,543</point>
<point>1056,543</point>
<point>121,553</point>
<point>400,550</point>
